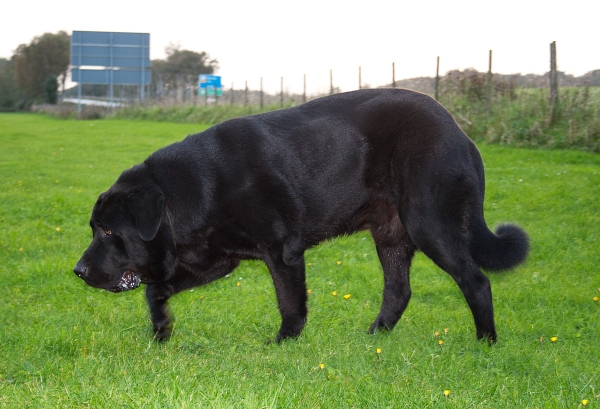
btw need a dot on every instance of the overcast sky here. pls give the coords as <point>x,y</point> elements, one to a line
<point>268,38</point>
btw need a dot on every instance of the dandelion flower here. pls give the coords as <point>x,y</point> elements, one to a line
<point>446,392</point>
<point>339,262</point>
<point>446,331</point>
<point>334,293</point>
<point>309,291</point>
<point>378,350</point>
<point>595,299</point>
<point>585,402</point>
<point>310,264</point>
<point>58,229</point>
<point>322,366</point>
<point>239,284</point>
<point>554,339</point>
<point>441,342</point>
<point>21,249</point>
<point>347,296</point>
<point>436,334</point>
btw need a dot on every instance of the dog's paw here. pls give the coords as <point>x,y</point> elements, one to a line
<point>379,326</point>
<point>162,334</point>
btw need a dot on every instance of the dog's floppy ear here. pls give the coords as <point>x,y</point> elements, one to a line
<point>147,207</point>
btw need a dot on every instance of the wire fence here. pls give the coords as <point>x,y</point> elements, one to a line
<point>184,91</point>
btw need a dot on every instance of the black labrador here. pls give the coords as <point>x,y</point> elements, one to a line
<point>270,186</point>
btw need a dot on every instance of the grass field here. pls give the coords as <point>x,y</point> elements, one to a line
<point>66,345</point>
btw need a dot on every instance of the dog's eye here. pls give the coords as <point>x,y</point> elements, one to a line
<point>106,232</point>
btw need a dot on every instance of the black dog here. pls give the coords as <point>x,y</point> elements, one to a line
<point>270,186</point>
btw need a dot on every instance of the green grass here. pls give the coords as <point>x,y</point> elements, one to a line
<point>522,118</point>
<point>66,345</point>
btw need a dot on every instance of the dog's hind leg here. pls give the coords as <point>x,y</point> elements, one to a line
<point>395,250</point>
<point>443,243</point>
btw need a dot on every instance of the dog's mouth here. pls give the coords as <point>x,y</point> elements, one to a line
<point>129,281</point>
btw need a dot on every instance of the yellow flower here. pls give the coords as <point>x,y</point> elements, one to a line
<point>441,342</point>
<point>347,296</point>
<point>585,402</point>
<point>21,249</point>
<point>595,299</point>
<point>436,334</point>
<point>339,262</point>
<point>378,350</point>
<point>239,284</point>
<point>322,366</point>
<point>310,264</point>
<point>334,293</point>
<point>309,291</point>
<point>446,392</point>
<point>446,331</point>
<point>58,229</point>
<point>554,339</point>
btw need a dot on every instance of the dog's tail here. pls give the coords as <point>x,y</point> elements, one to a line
<point>505,249</point>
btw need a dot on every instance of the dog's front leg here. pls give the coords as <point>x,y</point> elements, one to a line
<point>157,296</point>
<point>290,287</point>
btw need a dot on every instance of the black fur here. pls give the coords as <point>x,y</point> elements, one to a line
<point>270,186</point>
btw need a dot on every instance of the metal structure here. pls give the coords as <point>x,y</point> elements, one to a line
<point>110,58</point>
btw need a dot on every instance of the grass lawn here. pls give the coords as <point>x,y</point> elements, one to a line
<point>66,345</point>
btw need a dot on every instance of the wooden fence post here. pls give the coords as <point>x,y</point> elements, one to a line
<point>262,104</point>
<point>359,77</point>
<point>553,82</point>
<point>489,85</point>
<point>437,80</point>
<point>330,82</point>
<point>304,92</point>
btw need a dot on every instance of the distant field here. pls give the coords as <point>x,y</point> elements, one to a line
<point>66,345</point>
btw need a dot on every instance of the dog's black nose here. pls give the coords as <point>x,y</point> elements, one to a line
<point>80,269</point>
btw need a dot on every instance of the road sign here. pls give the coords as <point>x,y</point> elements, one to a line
<point>99,57</point>
<point>209,85</point>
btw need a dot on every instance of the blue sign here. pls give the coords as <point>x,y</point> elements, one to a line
<point>209,85</point>
<point>118,58</point>
<point>129,52</point>
<point>108,76</point>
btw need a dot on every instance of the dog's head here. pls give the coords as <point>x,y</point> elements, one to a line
<point>132,239</point>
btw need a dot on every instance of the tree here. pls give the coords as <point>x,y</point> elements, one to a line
<point>51,89</point>
<point>181,69</point>
<point>34,63</point>
<point>10,97</point>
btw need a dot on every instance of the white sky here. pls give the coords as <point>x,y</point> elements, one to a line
<point>275,38</point>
